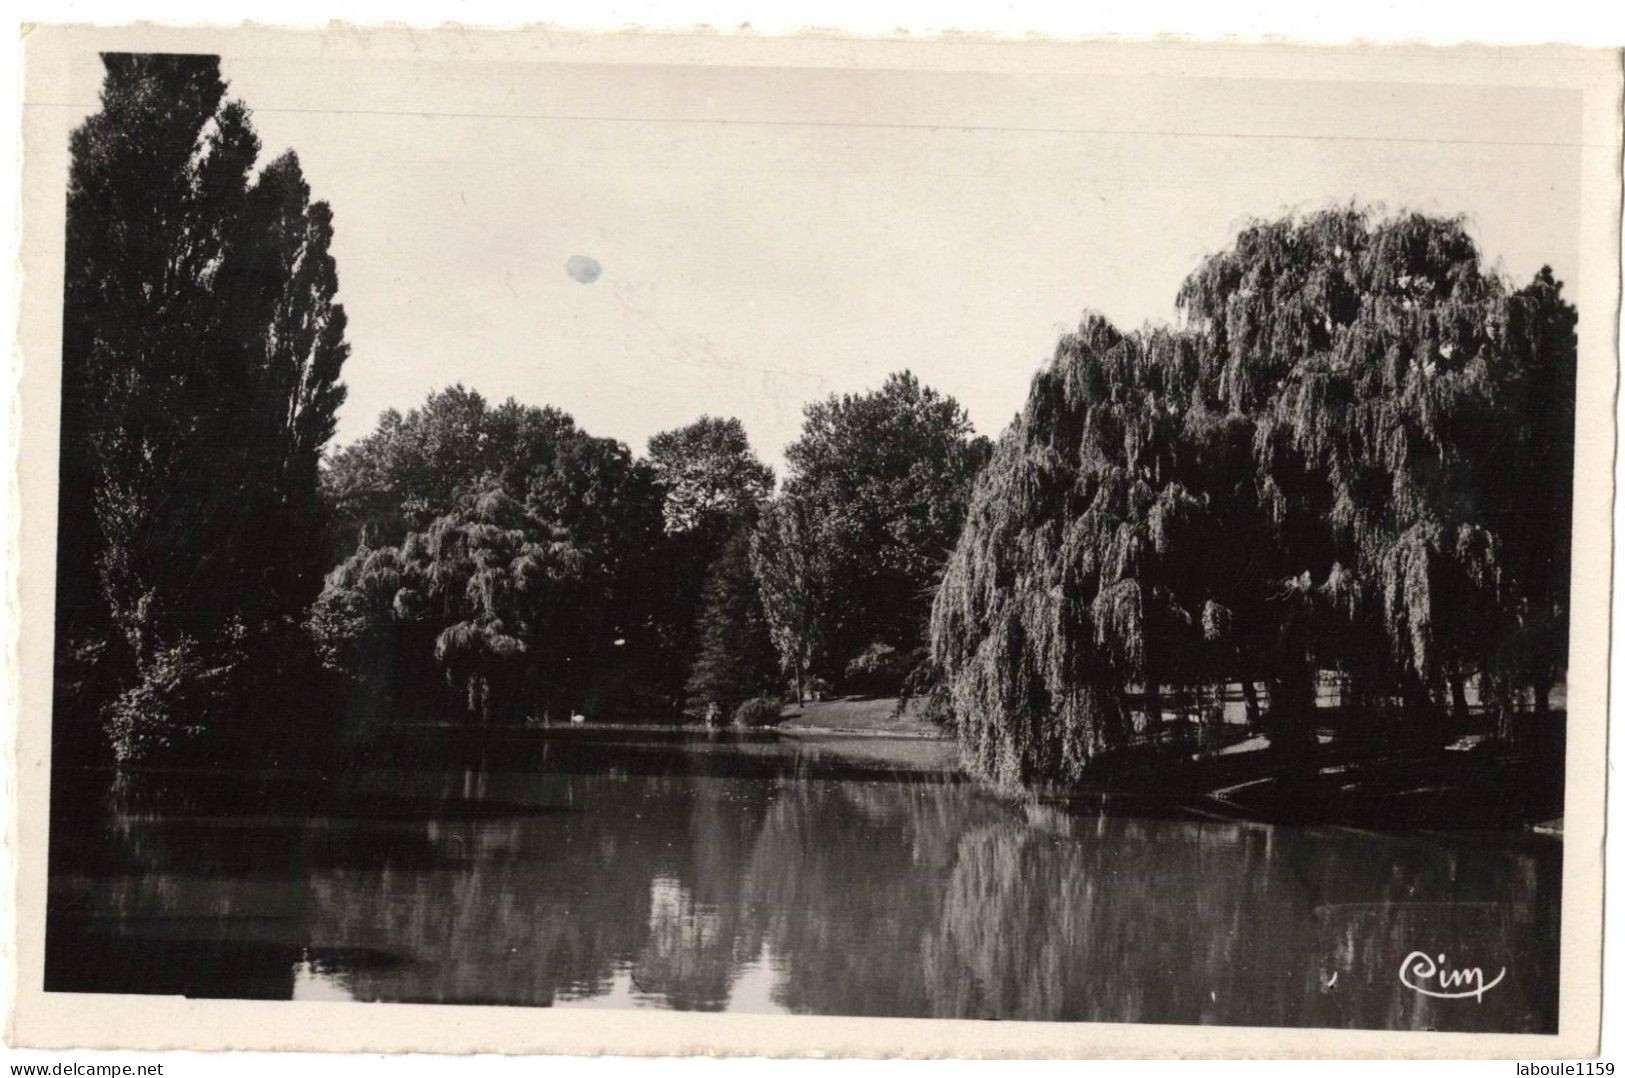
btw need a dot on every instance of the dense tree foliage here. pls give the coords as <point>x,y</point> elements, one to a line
<point>711,478</point>
<point>503,568</point>
<point>1311,474</point>
<point>734,658</point>
<point>712,487</point>
<point>873,503</point>
<point>201,353</point>
<point>792,566</point>
<point>418,467</point>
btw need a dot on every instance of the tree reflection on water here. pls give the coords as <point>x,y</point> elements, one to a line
<point>695,888</point>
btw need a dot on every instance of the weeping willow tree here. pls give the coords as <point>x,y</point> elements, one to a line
<point>485,591</point>
<point>1083,567</point>
<point>1311,473</point>
<point>514,593</point>
<point>497,583</point>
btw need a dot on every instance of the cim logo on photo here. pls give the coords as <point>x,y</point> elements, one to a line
<point>1425,975</point>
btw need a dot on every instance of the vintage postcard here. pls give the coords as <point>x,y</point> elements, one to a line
<point>717,543</point>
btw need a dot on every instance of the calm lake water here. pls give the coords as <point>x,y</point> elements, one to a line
<point>760,873</point>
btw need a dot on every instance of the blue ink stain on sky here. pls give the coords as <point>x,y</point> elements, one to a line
<point>583,269</point>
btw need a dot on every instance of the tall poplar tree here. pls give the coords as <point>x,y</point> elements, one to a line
<point>201,353</point>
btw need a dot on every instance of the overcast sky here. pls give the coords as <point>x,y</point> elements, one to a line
<point>769,236</point>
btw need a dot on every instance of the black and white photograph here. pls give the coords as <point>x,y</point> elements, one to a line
<point>1090,537</point>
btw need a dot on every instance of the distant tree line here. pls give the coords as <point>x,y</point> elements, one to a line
<point>504,566</point>
<point>1355,456</point>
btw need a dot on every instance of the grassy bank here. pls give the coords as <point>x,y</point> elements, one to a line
<point>861,714</point>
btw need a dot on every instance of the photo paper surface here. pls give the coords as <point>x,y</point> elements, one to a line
<point>704,543</point>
